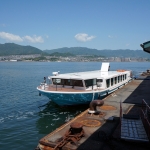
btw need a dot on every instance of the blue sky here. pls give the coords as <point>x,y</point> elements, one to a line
<point>97,24</point>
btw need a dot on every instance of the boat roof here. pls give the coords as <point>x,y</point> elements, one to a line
<point>98,74</point>
<point>146,46</point>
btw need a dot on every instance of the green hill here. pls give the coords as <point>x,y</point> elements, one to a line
<point>14,49</point>
<point>105,53</point>
<point>61,54</point>
<point>75,51</point>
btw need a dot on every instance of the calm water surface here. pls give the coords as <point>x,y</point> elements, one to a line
<point>26,117</point>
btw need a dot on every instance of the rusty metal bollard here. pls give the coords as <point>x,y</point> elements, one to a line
<point>93,105</point>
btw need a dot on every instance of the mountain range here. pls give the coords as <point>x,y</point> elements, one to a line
<point>105,53</point>
<point>15,49</point>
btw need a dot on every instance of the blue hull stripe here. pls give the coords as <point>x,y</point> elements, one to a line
<point>72,99</point>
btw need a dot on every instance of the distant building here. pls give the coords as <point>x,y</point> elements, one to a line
<point>12,60</point>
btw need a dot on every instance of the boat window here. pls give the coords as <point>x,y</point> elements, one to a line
<point>67,82</point>
<point>121,78</point>
<point>115,80</point>
<point>56,81</point>
<point>77,83</point>
<point>112,81</point>
<point>125,76</point>
<point>90,82</point>
<point>108,82</point>
<point>99,80</point>
<point>62,82</point>
<point>94,81</point>
<point>118,79</point>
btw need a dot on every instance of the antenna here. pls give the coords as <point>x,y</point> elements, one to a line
<point>55,73</point>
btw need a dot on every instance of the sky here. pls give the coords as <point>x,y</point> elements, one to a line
<point>96,24</point>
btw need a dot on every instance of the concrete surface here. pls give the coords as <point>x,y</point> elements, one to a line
<point>107,134</point>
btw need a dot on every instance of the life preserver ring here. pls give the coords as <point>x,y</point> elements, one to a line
<point>121,70</point>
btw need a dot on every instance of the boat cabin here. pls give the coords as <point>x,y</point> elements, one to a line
<point>91,80</point>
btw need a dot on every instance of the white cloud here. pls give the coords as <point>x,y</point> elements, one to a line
<point>47,36</point>
<point>10,37</point>
<point>34,39</point>
<point>110,36</point>
<point>83,37</point>
<point>17,38</point>
<point>127,44</point>
<point>3,25</point>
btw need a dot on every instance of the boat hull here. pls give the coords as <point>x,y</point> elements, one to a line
<point>73,98</point>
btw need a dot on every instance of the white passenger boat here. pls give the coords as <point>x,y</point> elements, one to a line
<point>83,87</point>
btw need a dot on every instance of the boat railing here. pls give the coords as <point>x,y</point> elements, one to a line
<point>145,115</point>
<point>43,85</point>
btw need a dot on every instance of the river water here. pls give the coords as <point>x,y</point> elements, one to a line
<point>26,117</point>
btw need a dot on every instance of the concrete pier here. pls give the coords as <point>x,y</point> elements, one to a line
<point>102,130</point>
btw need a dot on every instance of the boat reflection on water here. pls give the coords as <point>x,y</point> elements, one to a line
<point>52,116</point>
